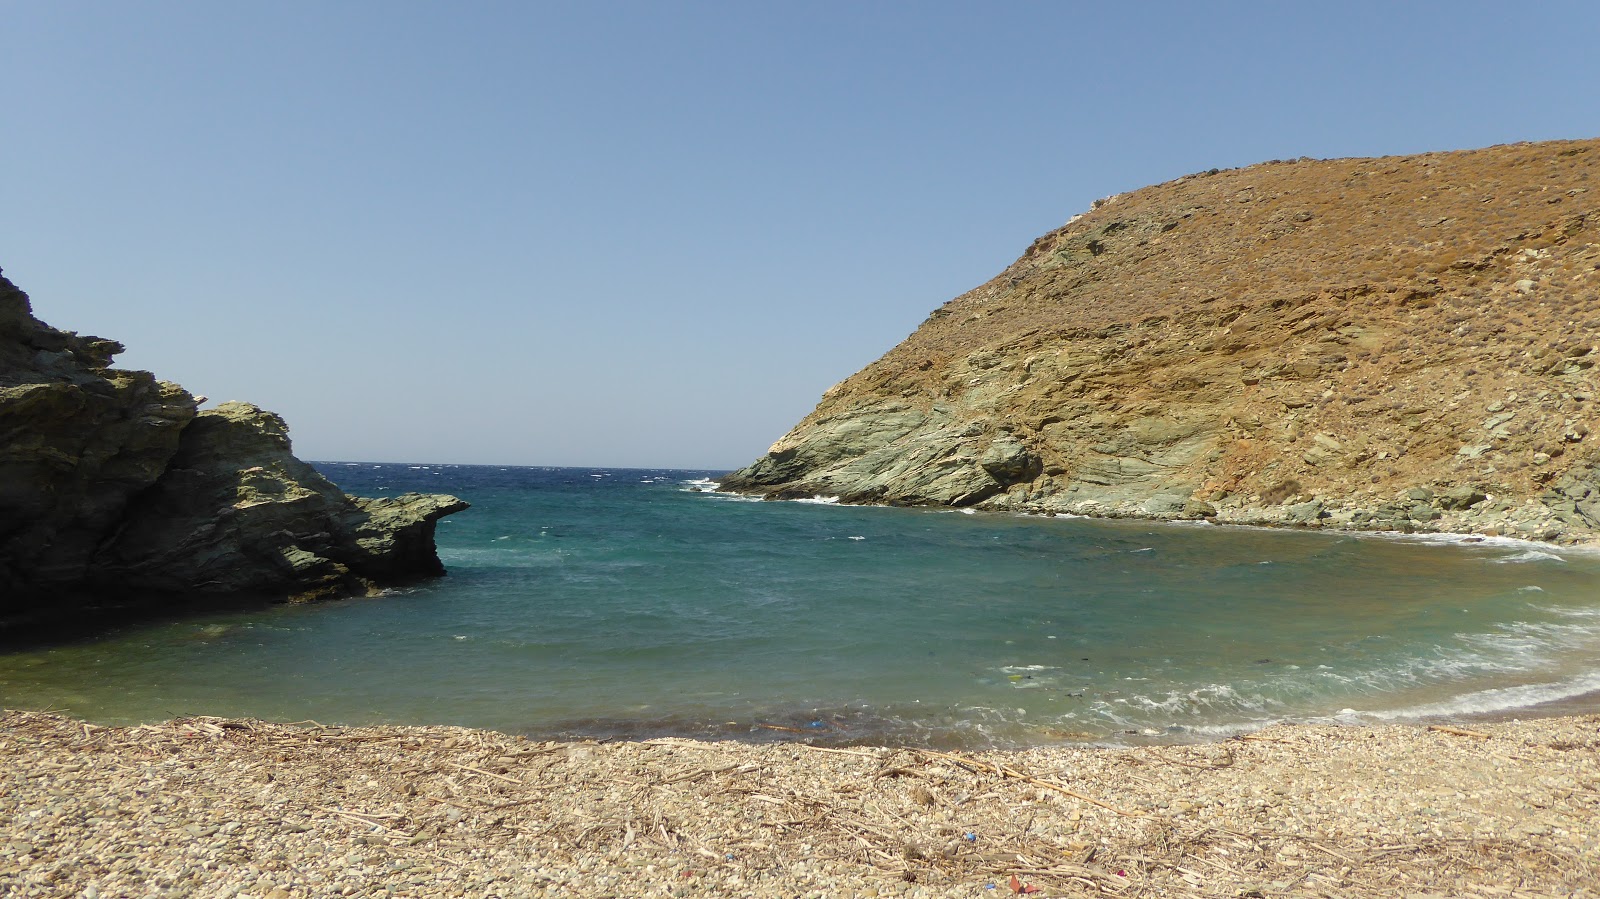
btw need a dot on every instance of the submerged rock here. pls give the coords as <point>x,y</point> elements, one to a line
<point>116,490</point>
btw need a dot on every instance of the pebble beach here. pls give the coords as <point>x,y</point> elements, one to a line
<point>212,807</point>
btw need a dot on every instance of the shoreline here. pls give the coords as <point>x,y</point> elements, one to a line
<point>242,808</point>
<point>1451,528</point>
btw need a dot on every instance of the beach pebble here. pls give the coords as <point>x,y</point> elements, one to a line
<point>171,810</point>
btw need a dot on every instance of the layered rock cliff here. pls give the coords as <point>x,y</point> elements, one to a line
<point>1401,343</point>
<point>116,490</point>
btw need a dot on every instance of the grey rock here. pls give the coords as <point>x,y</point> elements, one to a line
<point>1165,506</point>
<point>236,512</point>
<point>1561,504</point>
<point>1461,498</point>
<point>1422,512</point>
<point>1008,461</point>
<point>1590,510</point>
<point>1304,513</point>
<point>1577,490</point>
<point>1495,421</point>
<point>887,453</point>
<point>112,484</point>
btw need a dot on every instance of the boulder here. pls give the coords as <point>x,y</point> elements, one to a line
<point>1008,461</point>
<point>1458,499</point>
<point>1304,513</point>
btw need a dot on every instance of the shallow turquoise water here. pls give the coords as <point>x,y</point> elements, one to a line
<point>617,602</point>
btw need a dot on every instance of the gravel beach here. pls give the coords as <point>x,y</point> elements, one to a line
<point>212,807</point>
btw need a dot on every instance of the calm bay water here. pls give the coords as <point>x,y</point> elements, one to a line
<point>621,602</point>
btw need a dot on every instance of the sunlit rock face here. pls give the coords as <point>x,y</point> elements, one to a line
<point>1401,343</point>
<point>115,488</point>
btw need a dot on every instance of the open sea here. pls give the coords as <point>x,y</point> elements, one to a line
<point>629,603</point>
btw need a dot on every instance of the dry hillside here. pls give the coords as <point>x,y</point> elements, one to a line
<point>1400,343</point>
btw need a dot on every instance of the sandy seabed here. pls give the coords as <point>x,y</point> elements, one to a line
<point>212,807</point>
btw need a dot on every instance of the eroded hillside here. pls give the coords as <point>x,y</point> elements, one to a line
<point>1401,342</point>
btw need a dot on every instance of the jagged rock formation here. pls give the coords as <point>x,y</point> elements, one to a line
<point>114,489</point>
<point>1397,343</point>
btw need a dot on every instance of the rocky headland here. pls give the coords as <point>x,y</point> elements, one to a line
<point>118,493</point>
<point>1403,344</point>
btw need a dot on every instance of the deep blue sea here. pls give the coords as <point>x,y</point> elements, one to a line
<point>612,602</point>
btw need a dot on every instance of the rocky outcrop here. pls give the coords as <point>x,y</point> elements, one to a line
<point>115,489</point>
<point>236,512</point>
<point>1400,343</point>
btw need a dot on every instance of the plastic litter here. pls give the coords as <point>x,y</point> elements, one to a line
<point>1017,886</point>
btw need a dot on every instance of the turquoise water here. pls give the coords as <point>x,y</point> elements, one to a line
<point>629,603</point>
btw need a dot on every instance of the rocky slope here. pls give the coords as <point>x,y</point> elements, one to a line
<point>116,490</point>
<point>1401,343</point>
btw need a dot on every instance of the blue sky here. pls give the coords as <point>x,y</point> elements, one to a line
<point>652,234</point>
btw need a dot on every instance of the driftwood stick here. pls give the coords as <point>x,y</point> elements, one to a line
<point>1206,766</point>
<point>364,819</point>
<point>1011,772</point>
<point>1459,731</point>
<point>509,780</point>
<point>1005,771</point>
<point>868,755</point>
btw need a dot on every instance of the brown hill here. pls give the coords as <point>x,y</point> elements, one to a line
<point>1395,343</point>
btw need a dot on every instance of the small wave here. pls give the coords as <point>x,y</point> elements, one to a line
<point>820,500</point>
<point>1589,612</point>
<point>1453,539</point>
<point>1530,555</point>
<point>1208,697</point>
<point>1499,699</point>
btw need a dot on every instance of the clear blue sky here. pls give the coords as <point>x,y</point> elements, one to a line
<point>652,234</point>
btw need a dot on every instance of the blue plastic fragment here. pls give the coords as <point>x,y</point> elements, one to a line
<point>971,838</point>
<point>817,723</point>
